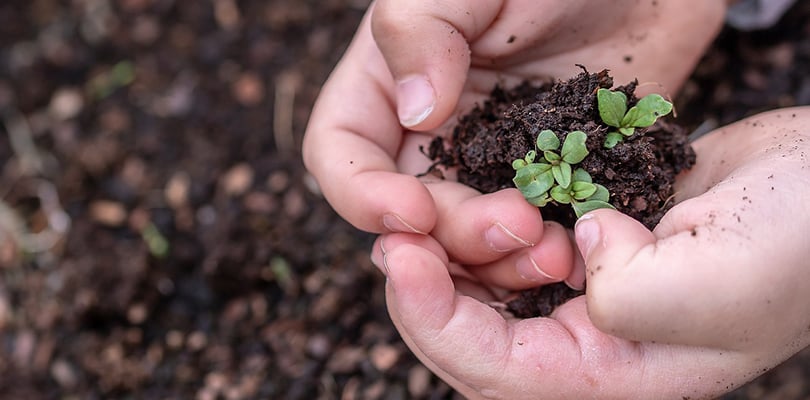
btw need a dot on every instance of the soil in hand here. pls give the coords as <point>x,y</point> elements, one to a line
<point>639,172</point>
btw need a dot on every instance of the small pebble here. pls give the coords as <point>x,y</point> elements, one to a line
<point>64,374</point>
<point>319,346</point>
<point>237,180</point>
<point>109,213</point>
<point>248,89</point>
<point>419,381</point>
<point>384,356</point>
<point>174,339</point>
<point>66,103</point>
<point>137,313</point>
<point>197,341</point>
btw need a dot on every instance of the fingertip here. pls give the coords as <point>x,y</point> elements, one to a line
<point>391,241</point>
<point>610,243</point>
<point>421,285</point>
<point>416,100</point>
<point>428,58</point>
<point>611,234</point>
<point>588,234</point>
<point>551,260</point>
<point>576,280</point>
<point>478,229</point>
<point>548,261</point>
<point>385,202</point>
<point>506,220</point>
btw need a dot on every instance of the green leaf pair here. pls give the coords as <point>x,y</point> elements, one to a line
<point>613,111</point>
<point>573,152</point>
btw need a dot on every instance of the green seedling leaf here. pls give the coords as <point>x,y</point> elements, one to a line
<point>561,195</point>
<point>547,141</point>
<point>537,186</point>
<point>539,201</point>
<point>582,190</point>
<point>530,156</point>
<point>157,243</point>
<point>612,139</point>
<point>646,111</point>
<point>528,173</point>
<point>601,193</point>
<point>581,208</point>
<point>612,106</point>
<point>518,164</point>
<point>627,131</point>
<point>573,149</point>
<point>580,175</point>
<point>551,156</point>
<point>283,273</point>
<point>562,174</point>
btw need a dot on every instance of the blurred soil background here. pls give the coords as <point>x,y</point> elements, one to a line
<point>159,237</point>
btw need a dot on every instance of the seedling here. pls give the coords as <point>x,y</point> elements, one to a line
<point>583,194</point>
<point>157,243</point>
<point>553,178</point>
<point>614,112</point>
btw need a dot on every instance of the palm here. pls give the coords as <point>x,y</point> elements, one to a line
<point>471,346</point>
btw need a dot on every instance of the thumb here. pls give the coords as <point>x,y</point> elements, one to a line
<point>425,45</point>
<point>693,284</point>
<point>607,256</point>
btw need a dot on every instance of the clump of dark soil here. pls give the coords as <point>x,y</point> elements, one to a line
<point>639,172</point>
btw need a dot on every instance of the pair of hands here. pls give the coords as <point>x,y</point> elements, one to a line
<point>710,299</point>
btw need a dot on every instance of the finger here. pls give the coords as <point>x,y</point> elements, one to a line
<point>550,260</point>
<point>576,280</point>
<point>426,47</point>
<point>423,241</point>
<point>351,142</point>
<point>478,229</point>
<point>473,228</point>
<point>463,280</point>
<point>464,338</point>
<point>480,354</point>
<point>718,264</point>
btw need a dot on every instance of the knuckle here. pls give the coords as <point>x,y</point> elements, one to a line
<point>387,24</point>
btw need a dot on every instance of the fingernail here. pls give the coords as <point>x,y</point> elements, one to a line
<point>530,271</point>
<point>384,258</point>
<point>415,100</point>
<point>386,268</point>
<point>395,223</point>
<point>378,258</point>
<point>577,287</point>
<point>502,239</point>
<point>588,235</point>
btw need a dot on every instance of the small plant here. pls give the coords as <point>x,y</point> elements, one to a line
<point>553,178</point>
<point>614,112</point>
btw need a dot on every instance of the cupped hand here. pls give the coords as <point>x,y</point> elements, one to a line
<point>414,66</point>
<point>715,296</point>
<point>729,265</point>
<point>445,318</point>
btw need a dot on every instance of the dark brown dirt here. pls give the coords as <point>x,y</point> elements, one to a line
<point>264,292</point>
<point>638,172</point>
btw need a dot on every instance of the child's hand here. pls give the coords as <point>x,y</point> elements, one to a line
<point>729,266</point>
<point>717,295</point>
<point>422,63</point>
